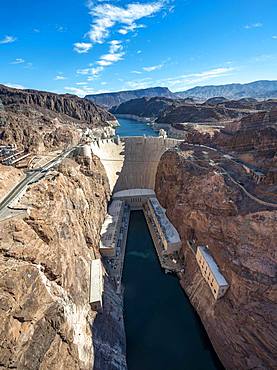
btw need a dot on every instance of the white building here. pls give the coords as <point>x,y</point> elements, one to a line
<point>211,272</point>
<point>168,234</point>
<point>111,228</point>
<point>96,285</point>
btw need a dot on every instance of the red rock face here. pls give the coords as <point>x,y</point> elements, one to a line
<point>205,206</point>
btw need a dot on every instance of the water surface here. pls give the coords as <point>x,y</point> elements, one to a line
<point>163,331</point>
<point>131,127</point>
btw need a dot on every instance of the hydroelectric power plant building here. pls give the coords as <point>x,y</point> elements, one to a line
<point>111,228</point>
<point>167,233</point>
<point>211,272</point>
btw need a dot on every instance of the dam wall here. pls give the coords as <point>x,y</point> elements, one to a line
<point>132,162</point>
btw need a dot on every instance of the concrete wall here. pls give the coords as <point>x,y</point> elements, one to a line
<point>133,162</point>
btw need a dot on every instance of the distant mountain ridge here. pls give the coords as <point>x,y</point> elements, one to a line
<point>262,89</point>
<point>115,98</point>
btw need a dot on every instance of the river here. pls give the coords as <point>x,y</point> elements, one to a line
<point>163,332</point>
<point>130,127</point>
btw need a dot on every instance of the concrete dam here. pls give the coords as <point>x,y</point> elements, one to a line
<point>132,162</point>
<point>138,246</point>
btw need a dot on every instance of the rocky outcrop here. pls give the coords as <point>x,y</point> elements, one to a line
<point>9,177</point>
<point>70,105</point>
<point>144,107</point>
<point>46,320</point>
<point>115,98</point>
<point>40,121</point>
<point>174,111</point>
<point>205,206</point>
<point>197,113</point>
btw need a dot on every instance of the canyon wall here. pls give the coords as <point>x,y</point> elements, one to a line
<point>46,320</point>
<point>207,208</point>
<point>39,121</point>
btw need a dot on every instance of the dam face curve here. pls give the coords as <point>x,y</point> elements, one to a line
<point>132,162</point>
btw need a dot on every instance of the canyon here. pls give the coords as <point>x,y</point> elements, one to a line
<point>203,183</point>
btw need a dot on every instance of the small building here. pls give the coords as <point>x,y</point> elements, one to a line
<point>111,228</point>
<point>168,234</point>
<point>211,272</point>
<point>96,285</point>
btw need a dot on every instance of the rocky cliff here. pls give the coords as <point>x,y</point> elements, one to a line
<point>39,120</point>
<point>173,111</point>
<point>208,208</point>
<point>144,107</point>
<point>46,320</point>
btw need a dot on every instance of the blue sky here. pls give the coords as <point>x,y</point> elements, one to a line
<point>80,47</point>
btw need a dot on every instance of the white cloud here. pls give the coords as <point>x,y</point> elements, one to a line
<point>61,28</point>
<point>83,71</point>
<point>81,83</point>
<point>18,61</point>
<point>123,31</point>
<point>195,78</point>
<point>131,28</point>
<point>114,55</point>
<point>139,52</point>
<point>274,37</point>
<point>60,77</point>
<point>82,47</point>
<point>153,68</point>
<point>111,57</point>
<point>8,40</point>
<point>181,82</point>
<point>14,86</point>
<point>136,72</point>
<point>253,25</point>
<point>105,16</point>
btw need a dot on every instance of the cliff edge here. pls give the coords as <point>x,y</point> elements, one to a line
<point>46,320</point>
<point>207,208</point>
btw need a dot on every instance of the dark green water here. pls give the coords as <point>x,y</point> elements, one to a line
<point>162,330</point>
<point>130,127</point>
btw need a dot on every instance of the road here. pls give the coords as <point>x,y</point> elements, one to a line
<point>31,176</point>
<point>224,171</point>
